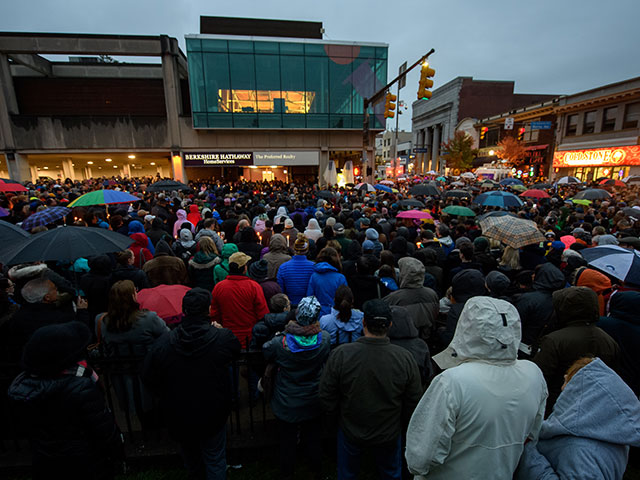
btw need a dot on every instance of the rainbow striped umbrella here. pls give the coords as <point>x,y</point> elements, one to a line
<point>103,197</point>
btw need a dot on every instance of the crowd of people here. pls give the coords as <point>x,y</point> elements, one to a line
<point>443,351</point>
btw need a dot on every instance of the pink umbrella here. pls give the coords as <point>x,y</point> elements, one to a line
<point>535,193</point>
<point>568,240</point>
<point>415,214</point>
<point>165,300</point>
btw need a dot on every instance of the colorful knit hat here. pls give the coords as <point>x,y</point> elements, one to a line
<point>307,311</point>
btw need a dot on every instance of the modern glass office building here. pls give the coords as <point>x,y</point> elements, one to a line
<point>283,83</point>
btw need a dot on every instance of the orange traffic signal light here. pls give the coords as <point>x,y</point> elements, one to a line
<point>425,82</point>
<point>389,106</point>
<point>483,132</point>
<point>521,133</point>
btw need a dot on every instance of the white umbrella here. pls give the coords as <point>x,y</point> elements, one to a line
<point>366,187</point>
<point>432,172</point>
<point>347,172</point>
<point>565,180</point>
<point>632,179</point>
<point>616,261</point>
<point>386,182</point>
<point>330,175</point>
<point>468,175</point>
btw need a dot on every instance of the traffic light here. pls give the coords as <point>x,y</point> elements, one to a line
<point>425,82</point>
<point>389,106</point>
<point>521,131</point>
<point>483,132</point>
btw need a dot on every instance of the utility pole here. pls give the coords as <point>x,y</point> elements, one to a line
<point>373,100</point>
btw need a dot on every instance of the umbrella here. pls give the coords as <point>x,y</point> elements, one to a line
<point>457,194</point>
<point>534,193</point>
<point>510,181</point>
<point>488,218</point>
<point>45,217</point>
<point>566,180</point>
<point>458,210</point>
<point>612,182</point>
<point>386,182</point>
<point>365,187</point>
<point>326,194</point>
<point>518,188</point>
<point>541,185</point>
<point>568,240</point>
<point>498,199</point>
<point>165,300</point>
<point>593,194</point>
<point>11,186</point>
<point>632,179</point>
<point>489,183</point>
<point>616,261</point>
<point>103,197</point>
<point>457,184</point>
<point>441,179</point>
<point>383,188</point>
<point>411,202</point>
<point>425,189</point>
<point>11,234</point>
<point>65,244</point>
<point>469,175</point>
<point>632,212</point>
<point>166,186</point>
<point>513,231</point>
<point>416,214</point>
<point>582,201</point>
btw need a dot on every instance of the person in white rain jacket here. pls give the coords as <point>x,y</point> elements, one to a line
<point>474,419</point>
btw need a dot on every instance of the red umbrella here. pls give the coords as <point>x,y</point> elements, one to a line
<point>10,186</point>
<point>612,182</point>
<point>416,214</point>
<point>165,300</point>
<point>535,194</point>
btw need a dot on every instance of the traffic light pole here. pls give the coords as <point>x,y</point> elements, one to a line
<point>374,99</point>
<point>395,139</point>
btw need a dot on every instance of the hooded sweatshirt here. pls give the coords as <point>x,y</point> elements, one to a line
<point>323,285</point>
<point>137,227</point>
<point>342,332</point>
<point>623,325</point>
<point>182,218</point>
<point>165,268</point>
<point>140,251</point>
<point>278,254</point>
<point>221,270</point>
<point>599,283</point>
<point>313,232</point>
<point>596,418</point>
<point>194,214</point>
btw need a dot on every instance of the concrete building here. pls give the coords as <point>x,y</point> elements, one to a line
<point>253,99</point>
<point>389,147</point>
<point>436,120</point>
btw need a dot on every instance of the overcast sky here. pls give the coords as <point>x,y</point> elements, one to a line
<point>545,46</point>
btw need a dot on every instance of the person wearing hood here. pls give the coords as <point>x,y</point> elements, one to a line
<point>577,335</point>
<point>141,253</point>
<point>194,216</point>
<point>536,307</point>
<point>290,232</point>
<point>208,230</point>
<point>221,270</point>
<point>188,369</point>
<point>326,278</point>
<point>277,255</point>
<point>405,334</point>
<point>95,283</point>
<point>157,232</point>
<point>344,323</point>
<point>202,264</point>
<point>475,417</point>
<point>420,301</point>
<point>623,325</point>
<point>165,268</point>
<point>136,226</point>
<point>313,232</point>
<point>61,408</point>
<point>399,248</point>
<point>182,219</point>
<point>299,355</point>
<point>588,435</point>
<point>281,215</point>
<point>185,247</point>
<point>293,276</point>
<point>598,282</point>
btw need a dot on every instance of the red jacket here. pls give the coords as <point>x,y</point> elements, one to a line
<point>140,245</point>
<point>237,303</point>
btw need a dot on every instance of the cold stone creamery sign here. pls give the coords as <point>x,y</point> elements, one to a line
<point>217,159</point>
<point>598,157</point>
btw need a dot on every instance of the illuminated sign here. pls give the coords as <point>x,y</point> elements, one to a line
<point>265,101</point>
<point>598,157</point>
<point>217,159</point>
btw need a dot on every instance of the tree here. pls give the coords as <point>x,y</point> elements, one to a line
<point>459,151</point>
<point>512,151</point>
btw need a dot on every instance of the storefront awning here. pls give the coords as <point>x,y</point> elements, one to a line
<point>536,147</point>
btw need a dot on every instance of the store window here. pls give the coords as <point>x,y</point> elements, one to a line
<point>572,125</point>
<point>589,123</point>
<point>609,119</point>
<point>631,115</point>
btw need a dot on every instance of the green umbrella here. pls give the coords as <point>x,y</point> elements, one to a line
<point>458,210</point>
<point>518,188</point>
<point>582,201</point>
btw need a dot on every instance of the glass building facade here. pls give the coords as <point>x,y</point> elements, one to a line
<point>281,83</point>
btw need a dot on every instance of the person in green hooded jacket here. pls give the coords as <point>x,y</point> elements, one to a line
<point>221,270</point>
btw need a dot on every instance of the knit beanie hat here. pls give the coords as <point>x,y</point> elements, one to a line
<point>258,270</point>
<point>197,300</point>
<point>372,234</point>
<point>368,245</point>
<point>307,311</point>
<point>481,244</point>
<point>302,244</point>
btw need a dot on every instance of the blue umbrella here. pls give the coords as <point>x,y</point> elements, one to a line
<point>616,261</point>
<point>498,198</point>
<point>510,181</point>
<point>384,188</point>
<point>45,217</point>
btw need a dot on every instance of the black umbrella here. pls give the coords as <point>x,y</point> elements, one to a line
<point>425,189</point>
<point>593,194</point>
<point>65,244</point>
<point>167,185</point>
<point>632,212</point>
<point>411,202</point>
<point>497,213</point>
<point>10,233</point>
<point>541,186</point>
<point>457,193</point>
<point>325,194</point>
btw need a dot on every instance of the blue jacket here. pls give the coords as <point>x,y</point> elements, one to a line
<point>340,331</point>
<point>323,285</point>
<point>623,325</point>
<point>293,277</point>
<point>586,437</point>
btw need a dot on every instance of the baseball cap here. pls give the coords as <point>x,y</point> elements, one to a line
<point>338,228</point>
<point>240,259</point>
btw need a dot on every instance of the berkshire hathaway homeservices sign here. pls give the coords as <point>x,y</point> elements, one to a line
<point>217,159</point>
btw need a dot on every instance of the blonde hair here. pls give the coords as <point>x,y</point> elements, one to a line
<point>207,245</point>
<point>510,258</point>
<point>577,366</point>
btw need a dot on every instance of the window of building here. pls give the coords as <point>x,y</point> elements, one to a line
<point>589,123</point>
<point>609,119</point>
<point>631,115</point>
<point>572,125</point>
<point>530,135</point>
